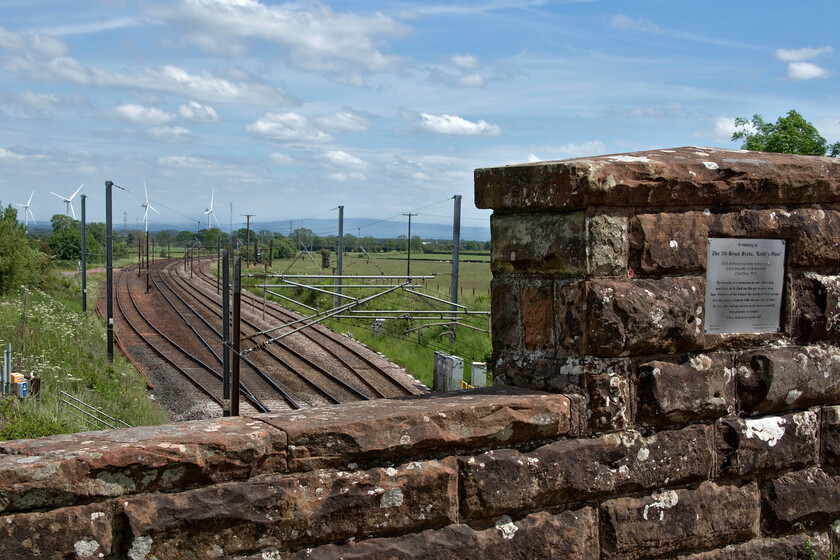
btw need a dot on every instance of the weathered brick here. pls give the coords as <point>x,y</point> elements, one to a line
<point>290,512</point>
<point>391,429</point>
<point>702,388</point>
<point>788,378</point>
<point>685,176</point>
<point>831,440</point>
<point>505,293</point>
<point>547,243</point>
<point>537,300</point>
<point>670,242</point>
<point>797,546</point>
<point>750,446</point>
<point>569,535</point>
<point>71,532</point>
<point>809,499</point>
<point>62,470</point>
<point>816,311</point>
<point>676,242</point>
<point>606,385</point>
<point>583,469</point>
<point>636,317</point>
<point>674,521</point>
<point>607,243</point>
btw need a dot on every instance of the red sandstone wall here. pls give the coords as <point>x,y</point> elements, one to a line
<point>655,440</point>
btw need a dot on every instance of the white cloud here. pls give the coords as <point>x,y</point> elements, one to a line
<point>794,55</point>
<point>315,36</point>
<point>468,61</point>
<point>344,177</point>
<point>622,21</point>
<point>343,159</point>
<point>39,101</point>
<point>472,80</point>
<point>287,127</point>
<point>567,151</point>
<point>805,71</point>
<point>38,43</point>
<point>170,134</point>
<point>654,111</point>
<point>453,124</point>
<point>281,159</point>
<point>344,121</point>
<point>186,162</point>
<point>724,128</point>
<point>138,114</point>
<point>197,112</point>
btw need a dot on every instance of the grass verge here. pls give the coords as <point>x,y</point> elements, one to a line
<point>67,349</point>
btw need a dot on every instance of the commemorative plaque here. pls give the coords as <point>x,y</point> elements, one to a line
<point>744,280</point>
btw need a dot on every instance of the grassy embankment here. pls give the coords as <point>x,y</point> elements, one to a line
<point>414,350</point>
<point>67,349</point>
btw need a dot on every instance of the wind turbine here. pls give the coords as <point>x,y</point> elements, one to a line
<point>26,211</point>
<point>68,201</point>
<point>210,212</point>
<point>148,207</point>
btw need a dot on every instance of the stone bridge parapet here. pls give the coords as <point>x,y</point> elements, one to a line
<point>625,429</point>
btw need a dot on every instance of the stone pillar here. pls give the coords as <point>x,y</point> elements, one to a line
<point>599,271</point>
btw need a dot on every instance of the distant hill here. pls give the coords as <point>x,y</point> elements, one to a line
<point>360,227</point>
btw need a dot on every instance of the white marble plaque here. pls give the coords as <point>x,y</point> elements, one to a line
<point>744,281</point>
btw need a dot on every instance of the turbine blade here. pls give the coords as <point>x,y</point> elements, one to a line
<point>217,220</point>
<point>212,194</point>
<point>31,214</point>
<point>30,199</point>
<point>71,209</point>
<point>146,192</point>
<point>77,191</point>
<point>151,208</point>
<point>59,196</point>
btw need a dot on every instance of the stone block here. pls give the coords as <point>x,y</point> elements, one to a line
<point>505,481</point>
<point>543,243</point>
<point>676,242</point>
<point>831,440</point>
<point>816,308</point>
<point>66,469</point>
<point>700,389</point>
<point>393,429</point>
<point>750,446</point>
<point>644,316</point>
<point>607,243</point>
<point>571,535</point>
<point>607,388</point>
<point>506,313</point>
<point>687,176</point>
<point>674,521</point>
<point>72,532</point>
<point>809,499</point>
<point>796,546</point>
<point>666,243</point>
<point>779,379</point>
<point>291,512</point>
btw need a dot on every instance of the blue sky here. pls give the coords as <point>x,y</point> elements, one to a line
<point>288,110</point>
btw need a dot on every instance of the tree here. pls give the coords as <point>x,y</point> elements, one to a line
<point>17,260</point>
<point>790,135</point>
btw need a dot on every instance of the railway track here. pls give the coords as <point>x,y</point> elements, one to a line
<point>174,332</point>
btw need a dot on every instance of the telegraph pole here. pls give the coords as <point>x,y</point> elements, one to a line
<point>109,272</point>
<point>340,249</point>
<point>456,252</point>
<point>408,267</point>
<point>84,257</point>
<point>247,237</point>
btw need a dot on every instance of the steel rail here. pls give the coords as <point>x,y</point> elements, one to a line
<point>331,347</point>
<point>295,371</point>
<point>284,392</point>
